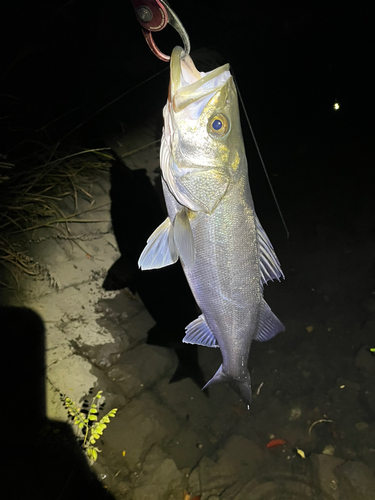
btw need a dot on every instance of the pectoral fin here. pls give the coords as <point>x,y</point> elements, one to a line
<point>183,237</point>
<point>161,249</point>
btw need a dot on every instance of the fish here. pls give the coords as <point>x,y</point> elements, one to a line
<point>212,226</point>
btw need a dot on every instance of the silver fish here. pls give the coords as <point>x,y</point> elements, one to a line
<point>211,225</point>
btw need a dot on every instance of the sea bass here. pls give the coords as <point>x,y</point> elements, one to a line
<point>211,225</point>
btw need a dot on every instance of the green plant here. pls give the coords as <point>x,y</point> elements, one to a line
<point>87,421</point>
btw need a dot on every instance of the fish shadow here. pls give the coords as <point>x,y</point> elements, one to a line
<point>136,211</point>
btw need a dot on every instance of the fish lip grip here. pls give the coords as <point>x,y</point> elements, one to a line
<point>153,16</point>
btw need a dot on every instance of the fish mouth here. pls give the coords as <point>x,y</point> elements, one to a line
<point>183,70</point>
<point>187,84</point>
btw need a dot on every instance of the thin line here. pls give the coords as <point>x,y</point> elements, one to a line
<point>134,151</point>
<point>113,101</point>
<point>261,158</point>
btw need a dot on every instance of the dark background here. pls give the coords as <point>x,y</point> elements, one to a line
<point>62,62</point>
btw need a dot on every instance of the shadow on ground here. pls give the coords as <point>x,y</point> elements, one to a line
<point>42,456</point>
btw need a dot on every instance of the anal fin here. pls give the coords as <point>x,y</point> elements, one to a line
<point>198,332</point>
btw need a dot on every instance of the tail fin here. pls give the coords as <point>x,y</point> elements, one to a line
<point>242,386</point>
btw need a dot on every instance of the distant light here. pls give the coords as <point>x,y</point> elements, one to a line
<point>336,106</point>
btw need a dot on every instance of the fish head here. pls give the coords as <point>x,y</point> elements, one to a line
<point>202,146</point>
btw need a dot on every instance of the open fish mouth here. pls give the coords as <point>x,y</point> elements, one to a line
<point>188,85</point>
<point>183,70</point>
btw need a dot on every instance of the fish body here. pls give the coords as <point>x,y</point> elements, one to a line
<point>212,225</point>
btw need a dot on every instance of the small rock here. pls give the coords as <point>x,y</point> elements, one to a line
<point>347,384</point>
<point>241,455</point>
<point>356,481</point>
<point>185,398</point>
<point>328,450</point>
<point>159,479</point>
<point>139,425</point>
<point>141,367</point>
<point>210,477</point>
<point>295,413</point>
<point>123,487</point>
<point>365,361</point>
<point>104,473</point>
<point>361,426</point>
<point>324,466</point>
<point>184,450</point>
<point>103,356</point>
<point>275,490</point>
<point>114,307</point>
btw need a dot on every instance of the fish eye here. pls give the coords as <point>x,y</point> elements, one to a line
<point>218,126</point>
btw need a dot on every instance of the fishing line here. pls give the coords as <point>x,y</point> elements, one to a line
<point>260,156</point>
<point>96,112</point>
<point>114,100</point>
<point>134,151</point>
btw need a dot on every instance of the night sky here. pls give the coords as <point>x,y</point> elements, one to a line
<point>291,61</point>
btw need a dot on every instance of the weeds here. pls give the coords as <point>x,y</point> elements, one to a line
<point>87,420</point>
<point>31,190</point>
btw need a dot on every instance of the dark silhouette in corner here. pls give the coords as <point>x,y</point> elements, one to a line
<point>42,457</point>
<point>136,212</point>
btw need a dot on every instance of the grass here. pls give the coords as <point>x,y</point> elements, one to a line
<point>31,189</point>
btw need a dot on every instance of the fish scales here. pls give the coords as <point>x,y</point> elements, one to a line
<point>212,225</point>
<point>220,280</point>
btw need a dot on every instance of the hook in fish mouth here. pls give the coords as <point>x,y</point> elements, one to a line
<point>174,21</point>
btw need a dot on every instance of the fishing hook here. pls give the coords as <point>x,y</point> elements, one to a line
<point>154,15</point>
